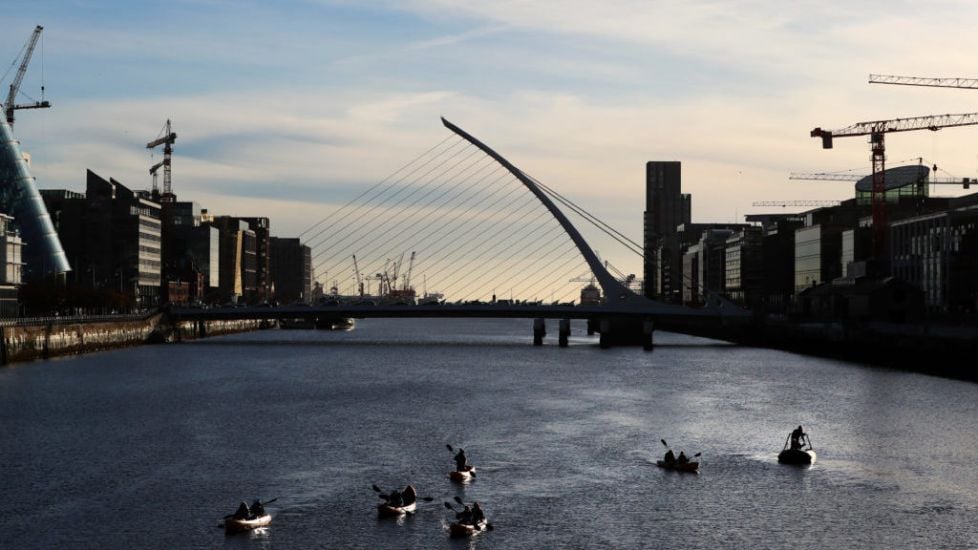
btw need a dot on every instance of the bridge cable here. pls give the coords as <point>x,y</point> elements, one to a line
<point>381,182</point>
<point>337,219</point>
<point>390,219</point>
<point>393,196</point>
<point>594,220</point>
<point>401,238</point>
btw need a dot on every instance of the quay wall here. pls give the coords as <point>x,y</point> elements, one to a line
<point>43,339</point>
<point>929,348</point>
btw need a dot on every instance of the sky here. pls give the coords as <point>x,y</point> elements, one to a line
<point>287,109</point>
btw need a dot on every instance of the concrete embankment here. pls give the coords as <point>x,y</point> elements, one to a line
<point>930,348</point>
<point>42,339</point>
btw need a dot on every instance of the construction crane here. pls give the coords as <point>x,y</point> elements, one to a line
<point>966,83</point>
<point>407,276</point>
<point>796,203</point>
<point>152,171</point>
<point>356,268</point>
<point>876,130</point>
<point>166,140</point>
<point>848,176</point>
<point>9,105</point>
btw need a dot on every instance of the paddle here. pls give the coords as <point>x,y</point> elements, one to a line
<point>471,471</point>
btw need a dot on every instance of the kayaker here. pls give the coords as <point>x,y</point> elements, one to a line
<point>460,461</point>
<point>682,458</point>
<point>243,512</point>
<point>797,439</point>
<point>395,499</point>
<point>465,516</point>
<point>257,508</point>
<point>670,457</point>
<point>477,514</point>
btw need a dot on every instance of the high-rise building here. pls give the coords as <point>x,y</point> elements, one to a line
<point>666,207</point>
<point>191,252</point>
<point>10,258</point>
<point>19,198</point>
<point>291,270</point>
<point>263,277</point>
<point>114,236</point>
<point>240,262</point>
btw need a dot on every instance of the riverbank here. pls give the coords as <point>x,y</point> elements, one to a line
<point>928,348</point>
<point>54,337</point>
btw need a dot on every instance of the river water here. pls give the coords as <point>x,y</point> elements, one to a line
<point>149,447</point>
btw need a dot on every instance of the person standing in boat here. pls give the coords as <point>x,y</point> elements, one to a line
<point>797,439</point>
<point>461,462</point>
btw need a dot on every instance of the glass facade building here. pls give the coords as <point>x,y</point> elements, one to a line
<point>818,250</point>
<point>939,254</point>
<point>19,198</point>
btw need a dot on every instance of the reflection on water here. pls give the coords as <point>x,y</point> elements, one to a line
<point>565,441</point>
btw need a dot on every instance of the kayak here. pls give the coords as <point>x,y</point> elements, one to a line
<point>388,511</point>
<point>689,467</point>
<point>797,456</point>
<point>463,476</point>
<point>458,530</point>
<point>410,503</point>
<point>233,525</point>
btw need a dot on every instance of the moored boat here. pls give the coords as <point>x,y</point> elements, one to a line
<point>462,476</point>
<point>688,467</point>
<point>458,529</point>
<point>235,525</point>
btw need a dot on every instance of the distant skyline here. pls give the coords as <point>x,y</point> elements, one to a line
<point>287,109</point>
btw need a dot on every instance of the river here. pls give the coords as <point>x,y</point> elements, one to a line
<point>149,447</point>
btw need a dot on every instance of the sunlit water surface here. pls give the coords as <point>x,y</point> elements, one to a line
<point>149,447</point>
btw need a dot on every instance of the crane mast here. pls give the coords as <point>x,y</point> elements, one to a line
<point>9,105</point>
<point>356,268</point>
<point>167,142</point>
<point>407,276</point>
<point>876,130</point>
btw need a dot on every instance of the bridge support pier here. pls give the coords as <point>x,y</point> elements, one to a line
<point>564,333</point>
<point>648,328</point>
<point>539,330</point>
<point>604,327</point>
<point>592,326</point>
<point>201,329</point>
<point>619,331</point>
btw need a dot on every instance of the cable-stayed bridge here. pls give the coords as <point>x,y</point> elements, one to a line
<point>483,239</point>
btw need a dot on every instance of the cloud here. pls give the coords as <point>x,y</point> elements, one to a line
<point>286,112</point>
